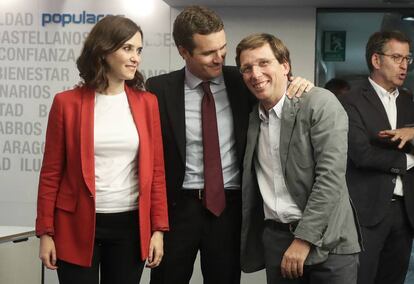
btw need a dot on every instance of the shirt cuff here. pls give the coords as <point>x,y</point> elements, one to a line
<point>410,161</point>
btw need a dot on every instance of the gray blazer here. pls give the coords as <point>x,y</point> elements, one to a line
<point>313,151</point>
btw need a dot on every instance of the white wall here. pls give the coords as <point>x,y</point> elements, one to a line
<point>18,186</point>
<point>21,29</point>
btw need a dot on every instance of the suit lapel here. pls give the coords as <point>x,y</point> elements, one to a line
<point>138,112</point>
<point>139,115</point>
<point>289,113</point>
<point>234,92</point>
<point>250,190</point>
<point>252,136</point>
<point>402,114</point>
<point>372,97</point>
<point>175,104</point>
<point>86,138</point>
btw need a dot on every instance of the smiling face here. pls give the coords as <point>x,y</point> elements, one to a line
<point>387,73</point>
<point>267,78</point>
<point>207,58</point>
<point>123,62</point>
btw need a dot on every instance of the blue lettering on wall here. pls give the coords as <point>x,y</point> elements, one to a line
<point>64,19</point>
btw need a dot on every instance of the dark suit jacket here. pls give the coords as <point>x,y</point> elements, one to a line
<point>66,198</point>
<point>169,89</point>
<point>374,162</point>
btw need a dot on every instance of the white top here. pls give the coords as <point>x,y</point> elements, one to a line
<point>116,148</point>
<point>389,102</point>
<point>277,201</point>
<point>194,164</point>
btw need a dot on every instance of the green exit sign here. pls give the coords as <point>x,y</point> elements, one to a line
<point>334,45</point>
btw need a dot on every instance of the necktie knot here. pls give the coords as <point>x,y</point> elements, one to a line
<point>206,87</point>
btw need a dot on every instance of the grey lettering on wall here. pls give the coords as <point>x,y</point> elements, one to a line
<point>16,19</point>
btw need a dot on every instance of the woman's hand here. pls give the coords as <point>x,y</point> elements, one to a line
<point>156,249</point>
<point>47,252</point>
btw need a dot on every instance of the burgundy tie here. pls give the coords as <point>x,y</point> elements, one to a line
<point>214,198</point>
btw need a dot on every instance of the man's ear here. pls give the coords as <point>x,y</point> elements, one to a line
<point>183,52</point>
<point>286,68</point>
<point>376,61</point>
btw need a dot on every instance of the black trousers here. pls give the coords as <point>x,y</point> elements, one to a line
<point>387,248</point>
<point>337,269</point>
<point>193,228</point>
<point>116,254</point>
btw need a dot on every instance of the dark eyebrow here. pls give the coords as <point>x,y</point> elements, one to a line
<point>213,50</point>
<point>131,45</point>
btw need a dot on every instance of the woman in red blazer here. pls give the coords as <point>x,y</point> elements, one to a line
<point>102,199</point>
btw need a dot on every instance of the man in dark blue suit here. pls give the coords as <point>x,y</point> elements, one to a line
<point>380,175</point>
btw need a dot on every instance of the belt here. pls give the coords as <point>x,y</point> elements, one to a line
<point>199,193</point>
<point>397,198</point>
<point>196,193</point>
<point>287,227</point>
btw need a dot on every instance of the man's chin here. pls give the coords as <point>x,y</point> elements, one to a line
<point>399,83</point>
<point>258,95</point>
<point>214,73</point>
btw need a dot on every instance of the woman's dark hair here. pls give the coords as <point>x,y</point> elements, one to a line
<point>108,35</point>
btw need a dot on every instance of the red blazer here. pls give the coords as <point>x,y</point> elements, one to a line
<point>66,197</point>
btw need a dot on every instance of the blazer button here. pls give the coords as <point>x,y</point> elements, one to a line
<point>394,180</point>
<point>395,170</point>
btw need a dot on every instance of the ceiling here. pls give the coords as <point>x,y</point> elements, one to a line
<point>296,3</point>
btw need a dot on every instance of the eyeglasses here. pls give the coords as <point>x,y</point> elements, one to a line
<point>398,58</point>
<point>262,63</point>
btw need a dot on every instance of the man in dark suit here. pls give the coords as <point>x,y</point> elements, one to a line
<point>197,222</point>
<point>380,175</point>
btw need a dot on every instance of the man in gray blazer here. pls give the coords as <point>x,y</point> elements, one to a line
<point>298,221</point>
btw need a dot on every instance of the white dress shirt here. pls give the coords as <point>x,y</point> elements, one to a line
<point>389,102</point>
<point>277,201</point>
<point>194,166</point>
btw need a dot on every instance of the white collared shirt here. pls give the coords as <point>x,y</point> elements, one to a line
<point>389,101</point>
<point>277,201</point>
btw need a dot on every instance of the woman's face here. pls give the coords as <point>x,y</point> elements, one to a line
<point>123,62</point>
